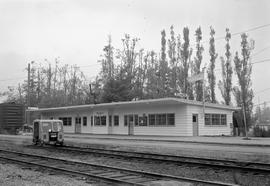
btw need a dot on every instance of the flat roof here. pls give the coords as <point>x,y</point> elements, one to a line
<point>159,101</point>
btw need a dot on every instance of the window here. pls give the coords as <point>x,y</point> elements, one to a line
<point>78,120</point>
<point>125,120</point>
<point>97,121</point>
<point>130,119</point>
<point>46,126</point>
<point>143,120</point>
<point>55,126</point>
<point>170,119</point>
<point>116,120</point>
<point>194,118</point>
<point>91,120</point>
<point>207,119</point>
<point>223,119</point>
<point>100,121</point>
<point>215,119</point>
<point>136,118</point>
<point>85,121</point>
<point>152,119</point>
<point>59,125</point>
<point>67,121</point>
<point>110,120</point>
<point>103,120</point>
<point>161,119</point>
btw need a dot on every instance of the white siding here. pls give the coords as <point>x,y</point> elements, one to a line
<point>209,130</point>
<point>100,129</point>
<point>72,114</point>
<point>183,120</point>
<point>180,128</point>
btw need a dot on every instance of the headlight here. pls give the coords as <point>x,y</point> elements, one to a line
<point>50,130</point>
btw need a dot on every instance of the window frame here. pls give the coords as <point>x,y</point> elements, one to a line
<point>114,120</point>
<point>152,119</point>
<point>125,120</point>
<point>78,119</point>
<point>103,120</point>
<point>67,121</point>
<point>84,120</point>
<point>170,118</point>
<point>143,121</point>
<point>215,119</point>
<point>110,120</point>
<point>161,119</point>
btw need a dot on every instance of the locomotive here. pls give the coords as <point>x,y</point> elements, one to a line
<point>48,132</point>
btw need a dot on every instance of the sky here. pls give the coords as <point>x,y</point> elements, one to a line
<point>75,32</point>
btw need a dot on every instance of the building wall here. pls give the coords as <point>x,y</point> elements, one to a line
<point>183,120</point>
<point>11,117</point>
<point>179,129</point>
<point>79,113</point>
<point>210,130</point>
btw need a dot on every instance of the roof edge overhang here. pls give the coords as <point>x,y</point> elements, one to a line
<point>139,102</point>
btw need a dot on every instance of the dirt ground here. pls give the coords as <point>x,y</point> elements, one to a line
<point>12,175</point>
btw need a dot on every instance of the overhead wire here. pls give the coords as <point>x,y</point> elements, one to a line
<point>238,33</point>
<point>261,91</point>
<point>261,61</point>
<point>260,51</point>
<point>262,103</point>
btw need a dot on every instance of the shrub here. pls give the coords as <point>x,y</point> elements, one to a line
<point>260,132</point>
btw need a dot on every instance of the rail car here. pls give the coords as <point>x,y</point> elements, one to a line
<point>48,132</point>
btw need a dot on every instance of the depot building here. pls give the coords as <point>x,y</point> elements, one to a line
<point>164,116</point>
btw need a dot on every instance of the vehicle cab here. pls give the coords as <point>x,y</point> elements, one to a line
<point>48,132</point>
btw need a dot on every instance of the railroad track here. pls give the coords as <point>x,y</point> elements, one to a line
<point>117,175</point>
<point>261,168</point>
<point>250,167</point>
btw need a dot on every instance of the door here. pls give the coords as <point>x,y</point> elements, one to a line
<point>78,125</point>
<point>130,125</point>
<point>195,124</point>
<point>36,131</point>
<point>110,125</point>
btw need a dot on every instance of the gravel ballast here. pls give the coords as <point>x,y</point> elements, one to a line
<point>13,175</point>
<point>171,169</point>
<point>236,177</point>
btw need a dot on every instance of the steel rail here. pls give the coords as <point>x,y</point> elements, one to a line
<point>108,169</point>
<point>220,163</point>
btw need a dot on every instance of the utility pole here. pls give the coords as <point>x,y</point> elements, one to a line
<point>92,93</point>
<point>28,94</point>
<point>260,116</point>
<point>245,121</point>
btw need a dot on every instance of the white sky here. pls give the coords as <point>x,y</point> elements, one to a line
<point>76,31</point>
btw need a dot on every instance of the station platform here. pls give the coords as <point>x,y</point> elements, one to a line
<point>221,147</point>
<point>215,140</point>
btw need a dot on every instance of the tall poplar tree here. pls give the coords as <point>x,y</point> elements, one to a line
<point>107,70</point>
<point>197,64</point>
<point>225,85</point>
<point>186,52</point>
<point>211,69</point>
<point>173,62</point>
<point>162,68</point>
<point>243,69</point>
